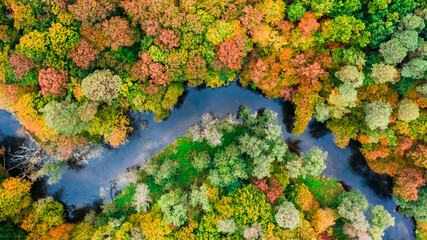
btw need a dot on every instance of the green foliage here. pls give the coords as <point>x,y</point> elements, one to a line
<point>250,206</point>
<point>393,51</point>
<point>287,216</point>
<point>296,11</point>
<point>417,208</point>
<point>380,220</point>
<point>377,115</point>
<point>408,110</point>
<point>62,116</point>
<point>416,69</point>
<point>101,85</point>
<point>8,231</point>
<point>173,206</point>
<point>348,30</point>
<point>228,167</point>
<point>351,205</point>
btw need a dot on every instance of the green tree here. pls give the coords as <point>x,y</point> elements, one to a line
<point>287,216</point>
<point>377,115</point>
<point>62,116</point>
<point>408,110</point>
<point>102,86</point>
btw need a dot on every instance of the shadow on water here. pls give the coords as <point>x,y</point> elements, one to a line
<point>288,113</point>
<point>318,130</point>
<point>381,184</point>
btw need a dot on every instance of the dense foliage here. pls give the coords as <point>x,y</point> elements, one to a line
<point>197,188</point>
<point>360,66</point>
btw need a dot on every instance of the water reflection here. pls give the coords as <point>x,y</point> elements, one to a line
<point>80,186</point>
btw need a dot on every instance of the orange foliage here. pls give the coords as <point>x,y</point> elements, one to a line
<point>407,183</point>
<point>62,232</point>
<point>152,225</point>
<point>322,219</point>
<point>231,52</point>
<point>307,24</point>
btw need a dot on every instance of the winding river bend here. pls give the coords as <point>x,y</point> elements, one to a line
<point>81,187</point>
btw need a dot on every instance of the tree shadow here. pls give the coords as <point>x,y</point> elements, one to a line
<point>317,129</point>
<point>288,112</point>
<point>381,184</point>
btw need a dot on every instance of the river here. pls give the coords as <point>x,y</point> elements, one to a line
<point>80,187</point>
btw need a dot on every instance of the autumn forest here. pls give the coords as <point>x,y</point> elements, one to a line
<point>72,72</point>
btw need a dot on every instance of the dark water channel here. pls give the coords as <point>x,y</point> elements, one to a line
<point>80,187</point>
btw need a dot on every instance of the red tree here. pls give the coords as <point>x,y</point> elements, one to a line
<point>20,64</point>
<point>231,52</point>
<point>83,53</point>
<point>118,33</point>
<point>53,83</point>
<point>407,183</point>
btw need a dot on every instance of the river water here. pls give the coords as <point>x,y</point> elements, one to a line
<point>80,187</point>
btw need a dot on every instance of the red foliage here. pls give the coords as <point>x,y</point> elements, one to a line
<point>140,70</point>
<point>94,36</point>
<point>404,143</point>
<point>83,53</point>
<point>12,92</point>
<point>407,183</point>
<point>145,68</point>
<point>272,189</point>
<point>92,10</point>
<point>20,64</point>
<point>167,40</point>
<point>231,52</point>
<point>286,93</point>
<point>307,24</point>
<point>381,152</point>
<point>251,18</point>
<point>196,67</point>
<point>53,83</point>
<point>118,33</point>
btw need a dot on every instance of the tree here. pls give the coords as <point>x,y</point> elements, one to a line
<point>416,69</point>
<point>380,220</point>
<point>21,64</point>
<point>15,199</point>
<point>199,196</point>
<point>62,116</point>
<point>228,167</point>
<point>83,54</point>
<point>407,183</point>
<point>417,208</point>
<point>351,206</point>
<point>408,110</point>
<point>201,160</point>
<point>348,30</point>
<point>101,85</point>
<point>393,51</point>
<point>92,10</point>
<point>322,219</point>
<point>250,206</point>
<point>118,33</point>
<point>142,199</point>
<point>301,196</point>
<point>253,232</point>
<point>174,207</point>
<point>228,226</point>
<point>308,24</point>
<point>296,11</point>
<point>232,51</point>
<point>382,73</point>
<point>350,74</point>
<point>287,216</point>
<point>377,115</point>
<point>52,82</point>
<point>46,214</point>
